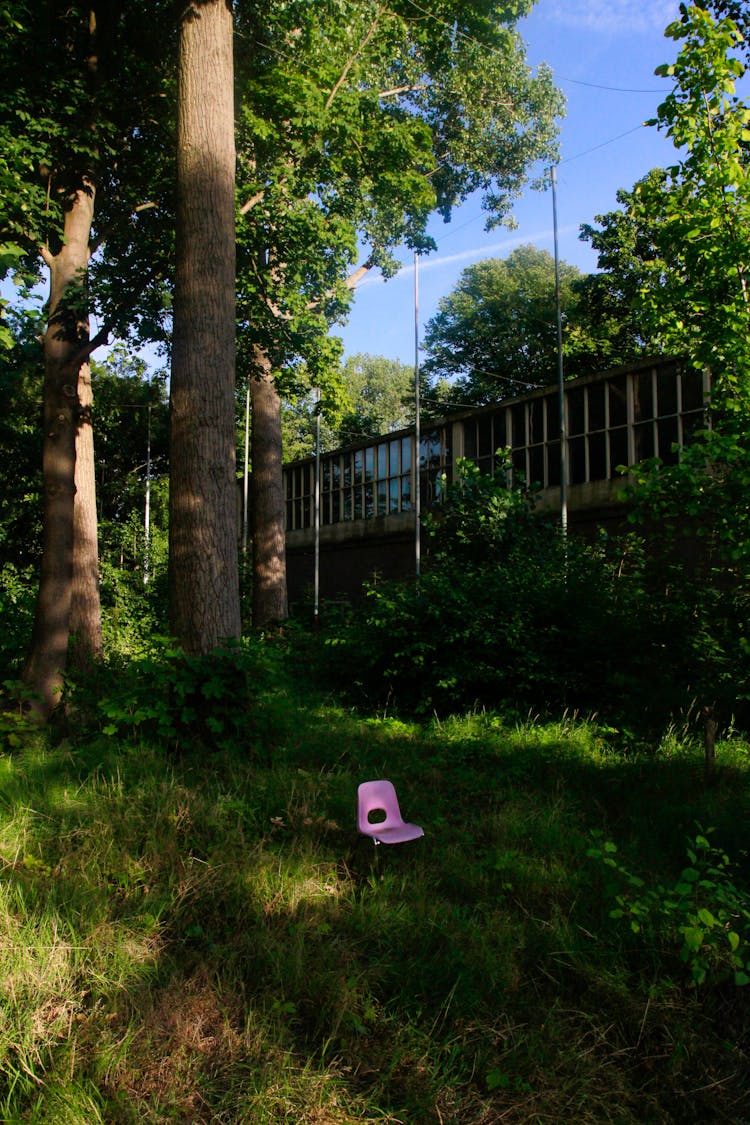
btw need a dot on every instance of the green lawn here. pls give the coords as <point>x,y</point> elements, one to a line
<point>203,937</point>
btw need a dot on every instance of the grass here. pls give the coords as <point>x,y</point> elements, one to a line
<point>203,937</point>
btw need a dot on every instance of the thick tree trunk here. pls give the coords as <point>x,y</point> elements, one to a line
<point>203,532</point>
<point>269,542</point>
<point>66,335</point>
<point>85,628</point>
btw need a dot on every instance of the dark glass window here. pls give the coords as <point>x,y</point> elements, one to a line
<point>382,497</point>
<point>470,440</point>
<point>500,435</point>
<point>596,394</point>
<point>552,410</point>
<point>393,491</point>
<point>405,454</point>
<point>369,462</point>
<point>536,421</point>
<point>536,465</point>
<point>553,464</point>
<point>643,397</point>
<point>382,461</point>
<point>576,417</point>
<point>484,428</point>
<point>358,459</point>
<point>393,457</point>
<point>692,390</point>
<point>618,401</point>
<point>666,392</point>
<point>618,451</point>
<point>598,456</point>
<point>577,455</point>
<point>668,436</point>
<point>518,424</point>
<point>644,441</point>
<point>518,460</point>
<point>369,501</point>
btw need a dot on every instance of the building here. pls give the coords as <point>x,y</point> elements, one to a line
<point>367,493</point>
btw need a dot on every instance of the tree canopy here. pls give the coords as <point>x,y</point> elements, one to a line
<point>495,334</point>
<point>680,247</point>
<point>356,122</point>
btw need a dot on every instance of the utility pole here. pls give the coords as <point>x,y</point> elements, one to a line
<point>147,514</point>
<point>417,434</point>
<point>316,511</point>
<point>560,377</point>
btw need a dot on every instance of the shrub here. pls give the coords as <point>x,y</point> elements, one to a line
<point>511,615</point>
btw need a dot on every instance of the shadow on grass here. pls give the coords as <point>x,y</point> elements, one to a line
<point>226,948</point>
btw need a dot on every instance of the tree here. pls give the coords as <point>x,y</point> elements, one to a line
<point>81,108</point>
<point>356,124</point>
<point>680,249</point>
<point>132,426</point>
<point>203,565</point>
<point>377,396</point>
<point>496,333</point>
<point>381,394</point>
<point>681,245</point>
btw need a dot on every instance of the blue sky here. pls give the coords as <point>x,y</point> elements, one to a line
<point>603,54</point>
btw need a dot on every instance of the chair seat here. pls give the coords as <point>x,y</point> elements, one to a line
<point>397,835</point>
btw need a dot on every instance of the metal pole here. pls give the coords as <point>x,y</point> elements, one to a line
<point>417,433</point>
<point>147,514</point>
<point>246,478</point>
<point>316,511</point>
<point>560,378</point>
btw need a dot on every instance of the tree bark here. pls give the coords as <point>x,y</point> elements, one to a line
<point>65,336</point>
<point>85,629</point>
<point>203,562</point>
<point>269,540</point>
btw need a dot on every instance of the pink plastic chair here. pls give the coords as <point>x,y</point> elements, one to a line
<point>380,796</point>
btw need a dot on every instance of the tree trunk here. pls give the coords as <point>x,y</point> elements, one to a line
<point>269,541</point>
<point>85,628</point>
<point>66,335</point>
<point>203,531</point>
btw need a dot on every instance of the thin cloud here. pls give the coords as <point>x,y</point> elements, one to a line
<point>613,17</point>
<point>483,251</point>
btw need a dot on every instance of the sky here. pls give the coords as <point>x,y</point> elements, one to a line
<point>603,54</point>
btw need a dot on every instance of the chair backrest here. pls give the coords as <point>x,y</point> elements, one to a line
<point>377,796</point>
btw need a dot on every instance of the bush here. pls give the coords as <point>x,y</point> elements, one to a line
<point>511,615</point>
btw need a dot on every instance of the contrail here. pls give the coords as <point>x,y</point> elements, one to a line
<point>425,263</point>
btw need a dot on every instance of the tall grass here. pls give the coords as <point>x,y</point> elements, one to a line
<point>203,937</point>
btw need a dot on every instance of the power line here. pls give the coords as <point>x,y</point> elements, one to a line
<point>558,77</point>
<point>603,144</point>
<point>599,86</point>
